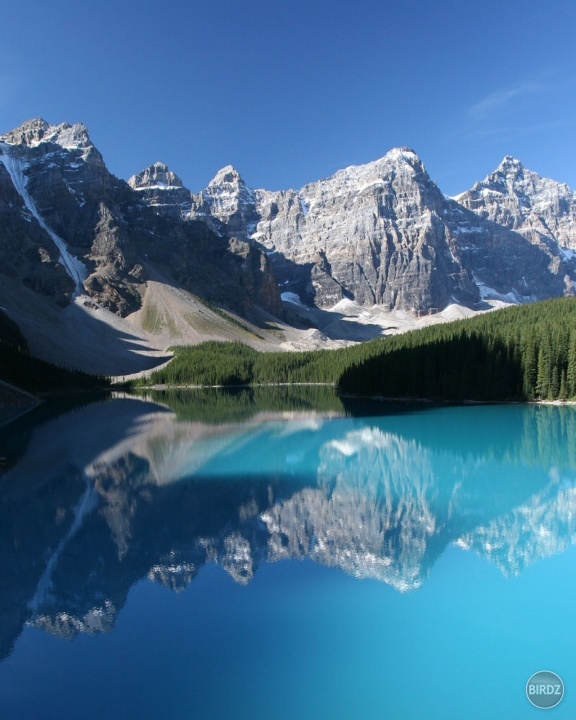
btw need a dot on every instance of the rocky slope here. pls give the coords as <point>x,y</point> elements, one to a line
<point>383,234</point>
<point>542,210</point>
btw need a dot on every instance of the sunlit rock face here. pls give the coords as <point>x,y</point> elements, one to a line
<point>541,209</point>
<point>228,205</point>
<point>382,234</point>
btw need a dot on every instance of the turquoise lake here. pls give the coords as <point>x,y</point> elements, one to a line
<point>285,555</point>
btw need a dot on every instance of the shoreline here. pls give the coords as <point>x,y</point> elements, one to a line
<point>380,398</point>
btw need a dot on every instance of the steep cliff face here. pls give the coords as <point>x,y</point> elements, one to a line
<point>68,227</point>
<point>63,182</point>
<point>382,234</point>
<point>27,253</point>
<point>541,209</point>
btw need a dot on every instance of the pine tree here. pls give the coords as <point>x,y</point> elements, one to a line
<point>571,370</point>
<point>562,393</point>
<point>554,386</point>
<point>530,367</point>
<point>543,373</point>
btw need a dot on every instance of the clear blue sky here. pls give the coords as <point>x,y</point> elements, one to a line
<point>288,91</point>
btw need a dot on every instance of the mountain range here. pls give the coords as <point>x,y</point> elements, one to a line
<point>104,274</point>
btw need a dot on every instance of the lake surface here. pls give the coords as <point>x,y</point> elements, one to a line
<point>285,555</point>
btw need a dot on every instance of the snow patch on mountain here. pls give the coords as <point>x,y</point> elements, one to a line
<point>293,298</point>
<point>512,297</point>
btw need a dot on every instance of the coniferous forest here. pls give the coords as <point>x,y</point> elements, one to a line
<point>18,367</point>
<point>518,353</point>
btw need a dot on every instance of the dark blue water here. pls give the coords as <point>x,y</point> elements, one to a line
<point>418,564</point>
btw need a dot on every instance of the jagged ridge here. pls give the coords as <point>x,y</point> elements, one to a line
<point>384,234</point>
<point>517,198</point>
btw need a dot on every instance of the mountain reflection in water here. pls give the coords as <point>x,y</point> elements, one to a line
<point>98,497</point>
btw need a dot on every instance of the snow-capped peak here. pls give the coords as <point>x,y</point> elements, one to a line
<point>396,157</point>
<point>357,178</point>
<point>31,133</point>
<point>510,167</point>
<point>402,153</point>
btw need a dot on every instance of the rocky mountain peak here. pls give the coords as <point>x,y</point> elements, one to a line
<point>157,176</point>
<point>522,200</point>
<point>398,161</point>
<point>509,171</point>
<point>34,132</point>
<point>510,163</point>
<point>401,160</point>
<point>399,172</point>
<point>30,133</point>
<point>403,154</point>
<point>228,175</point>
<point>38,133</point>
<point>229,200</point>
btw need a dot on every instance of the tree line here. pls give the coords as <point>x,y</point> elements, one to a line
<point>523,352</point>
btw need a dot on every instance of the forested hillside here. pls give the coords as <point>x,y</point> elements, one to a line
<point>20,368</point>
<point>518,353</point>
